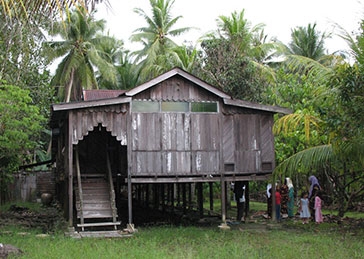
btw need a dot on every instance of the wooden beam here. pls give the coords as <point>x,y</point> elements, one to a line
<point>130,162</point>
<point>199,179</point>
<point>70,170</point>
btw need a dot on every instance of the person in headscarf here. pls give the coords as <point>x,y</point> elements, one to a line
<point>290,203</point>
<point>314,188</point>
<point>269,200</point>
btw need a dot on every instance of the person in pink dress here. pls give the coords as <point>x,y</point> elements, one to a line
<point>318,211</point>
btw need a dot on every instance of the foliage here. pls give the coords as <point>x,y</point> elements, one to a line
<point>158,50</point>
<point>20,125</point>
<point>338,160</point>
<point>81,50</point>
<point>308,42</point>
<point>234,59</point>
<point>21,62</point>
<point>28,10</point>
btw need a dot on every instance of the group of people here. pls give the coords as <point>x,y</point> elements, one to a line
<point>284,199</point>
<point>309,205</point>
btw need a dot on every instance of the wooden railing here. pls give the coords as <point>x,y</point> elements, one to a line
<point>79,183</point>
<point>112,192</point>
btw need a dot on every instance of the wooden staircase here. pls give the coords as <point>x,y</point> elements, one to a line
<point>95,200</point>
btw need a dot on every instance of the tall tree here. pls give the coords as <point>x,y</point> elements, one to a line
<point>156,38</point>
<point>308,42</point>
<point>306,53</point>
<point>27,10</point>
<point>81,49</point>
<point>338,160</point>
<point>235,57</point>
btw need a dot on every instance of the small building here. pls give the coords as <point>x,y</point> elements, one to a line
<point>170,131</point>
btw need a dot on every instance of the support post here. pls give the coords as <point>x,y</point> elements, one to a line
<point>70,170</point>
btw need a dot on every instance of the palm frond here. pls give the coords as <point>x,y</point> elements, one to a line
<point>291,122</point>
<point>307,65</point>
<point>305,160</point>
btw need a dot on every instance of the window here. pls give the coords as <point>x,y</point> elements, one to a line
<point>203,107</point>
<point>150,106</point>
<point>175,107</point>
<point>145,106</point>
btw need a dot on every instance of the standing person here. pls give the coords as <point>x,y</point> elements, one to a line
<point>304,211</point>
<point>278,204</point>
<point>318,211</point>
<point>314,188</point>
<point>239,190</point>
<point>290,203</point>
<point>269,200</point>
<point>284,198</point>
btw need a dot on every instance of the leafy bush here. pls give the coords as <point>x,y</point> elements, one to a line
<point>20,124</point>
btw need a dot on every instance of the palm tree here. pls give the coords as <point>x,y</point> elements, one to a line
<point>308,42</point>
<point>340,160</point>
<point>306,53</point>
<point>156,38</point>
<point>250,40</point>
<point>28,10</point>
<point>236,57</point>
<point>184,57</point>
<point>82,52</point>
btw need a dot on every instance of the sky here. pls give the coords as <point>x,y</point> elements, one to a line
<point>279,17</point>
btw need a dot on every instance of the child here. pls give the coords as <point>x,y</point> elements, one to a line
<point>278,204</point>
<point>318,212</point>
<point>304,211</point>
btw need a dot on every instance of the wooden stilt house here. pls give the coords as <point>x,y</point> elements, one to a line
<point>172,130</point>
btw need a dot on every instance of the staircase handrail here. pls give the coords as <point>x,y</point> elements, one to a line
<point>111,184</point>
<point>79,185</point>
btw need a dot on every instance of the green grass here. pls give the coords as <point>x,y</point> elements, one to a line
<point>194,242</point>
<point>262,239</point>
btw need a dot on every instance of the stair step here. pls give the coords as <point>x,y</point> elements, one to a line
<point>95,206</point>
<point>95,193</point>
<point>96,202</point>
<point>92,214</point>
<point>99,224</point>
<point>94,189</point>
<point>88,195</point>
<point>94,183</point>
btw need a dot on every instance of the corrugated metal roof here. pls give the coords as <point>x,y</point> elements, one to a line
<point>110,97</point>
<point>90,95</point>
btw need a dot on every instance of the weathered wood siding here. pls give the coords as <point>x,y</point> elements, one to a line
<point>176,89</point>
<point>228,140</point>
<point>247,154</point>
<point>28,186</point>
<point>112,117</point>
<point>267,142</point>
<point>169,144</point>
<point>248,143</point>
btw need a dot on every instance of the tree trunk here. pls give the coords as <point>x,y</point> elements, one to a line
<point>68,89</point>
